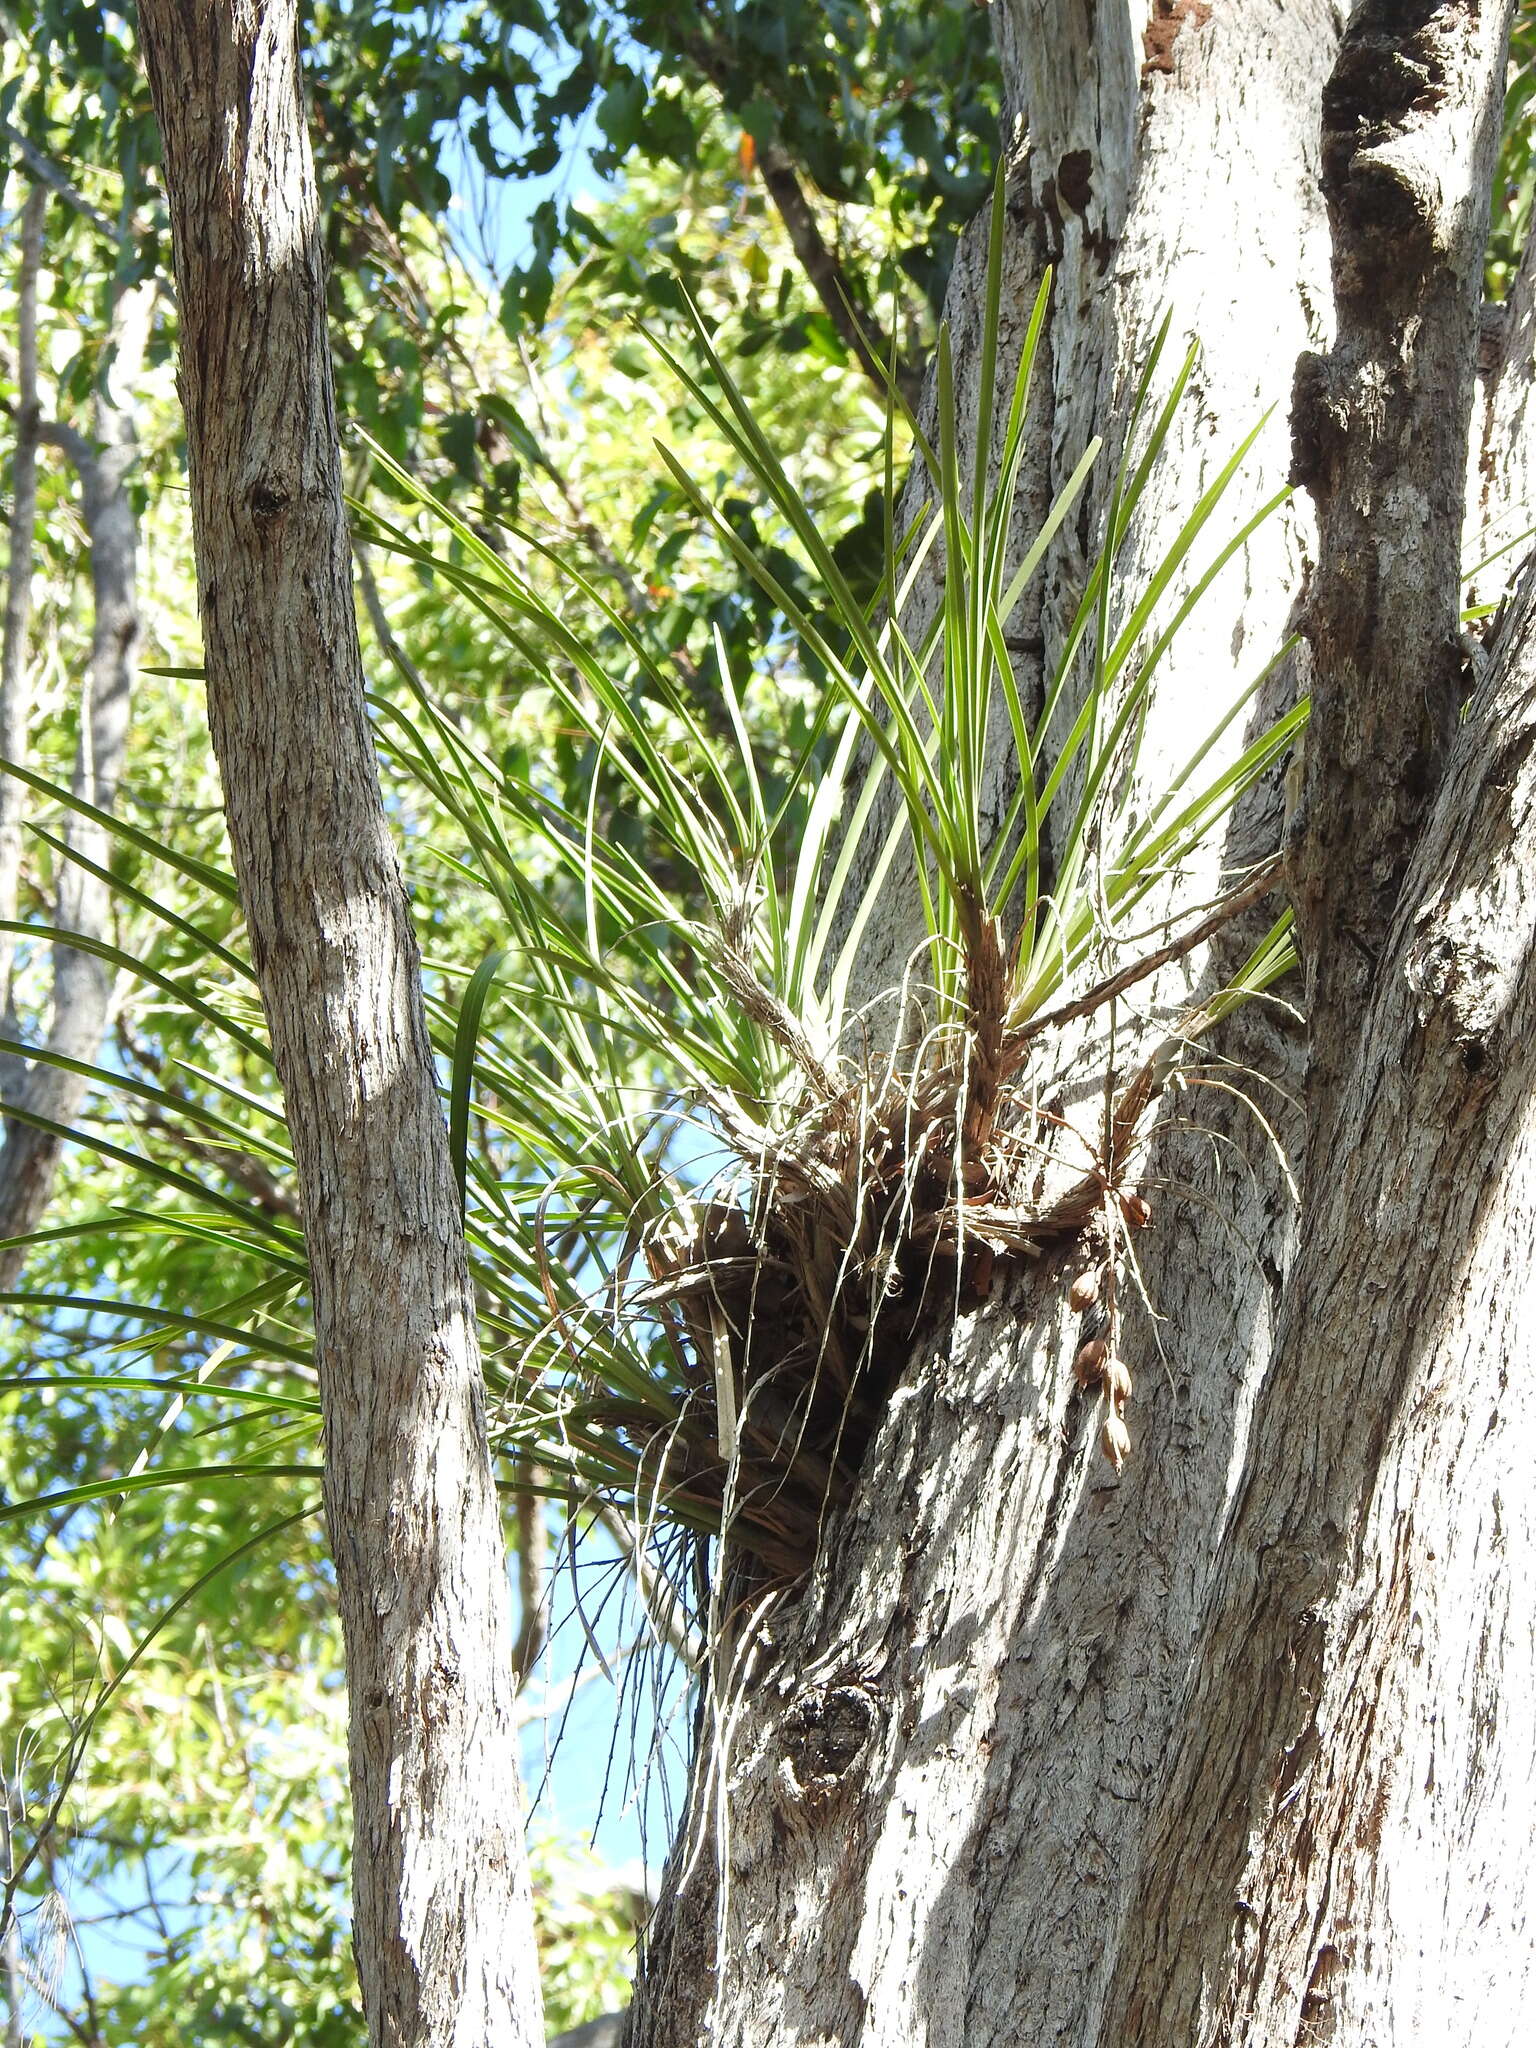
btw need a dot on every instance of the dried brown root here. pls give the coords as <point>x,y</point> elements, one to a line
<point>795,1294</point>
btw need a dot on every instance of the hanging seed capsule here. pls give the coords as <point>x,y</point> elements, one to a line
<point>1089,1365</point>
<point>1136,1210</point>
<point>1116,1441</point>
<point>1084,1292</point>
<point>1117,1382</point>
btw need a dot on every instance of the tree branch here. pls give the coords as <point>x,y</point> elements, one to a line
<point>532,1584</point>
<point>869,346</point>
<point>1378,425</point>
<point>51,175</point>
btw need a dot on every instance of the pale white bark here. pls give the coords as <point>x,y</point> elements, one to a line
<point>82,983</point>
<point>1363,1605</point>
<point>959,1791</point>
<point>442,1914</point>
<point>15,695</point>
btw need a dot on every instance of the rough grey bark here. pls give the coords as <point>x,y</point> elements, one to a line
<point>1235,1747</point>
<point>1381,424</point>
<point>82,983</point>
<point>1344,1835</point>
<point>1331,1791</point>
<point>442,1914</point>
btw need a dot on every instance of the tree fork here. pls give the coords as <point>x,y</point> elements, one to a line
<point>1040,1826</point>
<point>442,1914</point>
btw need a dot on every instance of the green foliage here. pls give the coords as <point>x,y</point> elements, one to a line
<point>221,1775</point>
<point>702,972</point>
<point>586,1931</point>
<point>889,115</point>
<point>897,104</point>
<point>620,782</point>
<point>1514,189</point>
<point>629,1017</point>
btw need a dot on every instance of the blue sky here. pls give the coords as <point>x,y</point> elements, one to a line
<point>491,216</point>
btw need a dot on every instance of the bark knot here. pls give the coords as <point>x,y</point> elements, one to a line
<point>821,1739</point>
<point>268,500</point>
<point>1319,421</point>
<point>1462,981</point>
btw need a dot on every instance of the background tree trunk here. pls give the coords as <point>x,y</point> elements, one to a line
<point>42,1100</point>
<point>1236,1746</point>
<point>442,1915</point>
<point>15,693</point>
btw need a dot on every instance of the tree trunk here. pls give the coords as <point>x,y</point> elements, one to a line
<point>15,693</point>
<point>82,983</point>
<point>1234,1746</point>
<point>442,1915</point>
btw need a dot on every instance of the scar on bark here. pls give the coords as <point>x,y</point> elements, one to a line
<point>1074,179</point>
<point>1164,29</point>
<point>822,1738</point>
<point>1316,2016</point>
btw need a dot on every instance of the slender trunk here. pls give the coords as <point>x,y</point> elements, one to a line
<point>15,696</point>
<point>82,984</point>
<point>962,1788</point>
<point>442,1914</point>
<point>12,1959</point>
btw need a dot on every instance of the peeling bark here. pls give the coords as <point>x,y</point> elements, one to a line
<point>442,1914</point>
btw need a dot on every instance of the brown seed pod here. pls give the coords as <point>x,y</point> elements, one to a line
<point>1083,1292</point>
<point>1136,1210</point>
<point>1089,1364</point>
<point>1116,1441</point>
<point>1117,1382</point>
